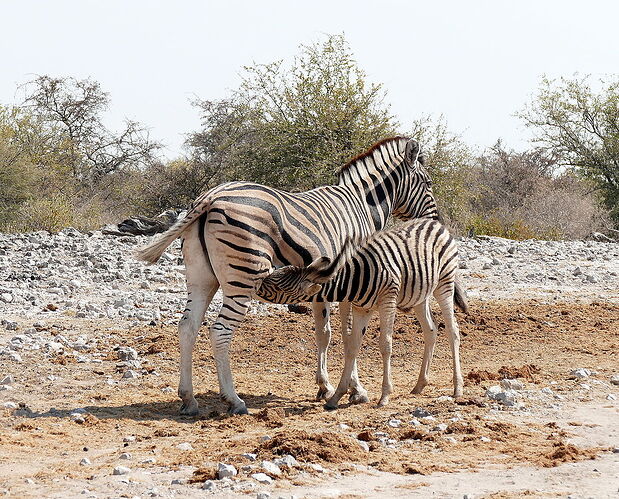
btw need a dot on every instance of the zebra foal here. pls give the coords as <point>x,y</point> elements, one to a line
<point>395,269</point>
<point>236,232</point>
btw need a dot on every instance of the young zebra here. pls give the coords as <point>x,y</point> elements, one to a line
<point>395,269</point>
<point>234,233</point>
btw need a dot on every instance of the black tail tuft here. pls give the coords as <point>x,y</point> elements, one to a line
<point>460,298</point>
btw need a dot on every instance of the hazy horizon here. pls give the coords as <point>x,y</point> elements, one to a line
<point>476,63</point>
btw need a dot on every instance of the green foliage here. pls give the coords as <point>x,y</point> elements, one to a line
<point>292,126</point>
<point>581,126</point>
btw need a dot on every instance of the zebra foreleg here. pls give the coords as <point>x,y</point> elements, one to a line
<point>444,296</point>
<point>232,312</point>
<point>422,311</point>
<point>201,286</point>
<point>387,317</point>
<point>361,319</point>
<point>323,337</point>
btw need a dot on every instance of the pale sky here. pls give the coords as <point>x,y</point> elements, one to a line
<point>475,62</point>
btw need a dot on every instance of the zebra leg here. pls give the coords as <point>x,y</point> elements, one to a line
<point>201,286</point>
<point>323,337</point>
<point>444,296</point>
<point>233,310</point>
<point>387,318</point>
<point>358,394</point>
<point>422,311</point>
<point>361,318</point>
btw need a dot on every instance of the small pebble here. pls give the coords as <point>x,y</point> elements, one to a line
<point>125,455</point>
<point>225,470</point>
<point>185,446</point>
<point>85,461</point>
<point>262,478</point>
<point>121,470</point>
<point>249,456</point>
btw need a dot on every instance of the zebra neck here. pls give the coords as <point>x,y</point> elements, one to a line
<point>344,284</point>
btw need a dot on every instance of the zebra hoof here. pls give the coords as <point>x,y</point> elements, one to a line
<point>358,398</point>
<point>237,411</point>
<point>325,393</point>
<point>330,407</point>
<point>189,408</point>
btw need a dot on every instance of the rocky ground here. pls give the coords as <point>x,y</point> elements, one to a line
<point>88,373</point>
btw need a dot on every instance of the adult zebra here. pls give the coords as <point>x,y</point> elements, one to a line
<point>398,268</point>
<point>235,233</point>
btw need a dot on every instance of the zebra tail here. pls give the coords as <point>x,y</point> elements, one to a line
<point>153,251</point>
<point>460,298</point>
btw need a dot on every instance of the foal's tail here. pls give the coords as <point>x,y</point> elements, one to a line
<point>460,298</point>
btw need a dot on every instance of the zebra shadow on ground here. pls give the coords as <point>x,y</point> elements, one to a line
<point>212,407</point>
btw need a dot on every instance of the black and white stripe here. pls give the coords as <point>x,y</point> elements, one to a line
<point>235,233</point>
<point>396,269</point>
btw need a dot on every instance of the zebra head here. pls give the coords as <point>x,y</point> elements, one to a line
<point>291,284</point>
<point>415,198</point>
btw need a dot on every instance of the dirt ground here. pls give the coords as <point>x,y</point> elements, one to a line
<point>554,446</point>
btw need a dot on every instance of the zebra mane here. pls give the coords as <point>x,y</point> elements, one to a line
<point>348,249</point>
<point>370,151</point>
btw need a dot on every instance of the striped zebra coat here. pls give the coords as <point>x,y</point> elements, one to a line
<point>400,268</point>
<point>236,232</point>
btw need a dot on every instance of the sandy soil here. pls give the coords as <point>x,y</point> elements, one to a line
<point>554,446</point>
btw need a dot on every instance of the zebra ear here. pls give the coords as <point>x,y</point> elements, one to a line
<point>310,288</point>
<point>316,271</point>
<point>412,152</point>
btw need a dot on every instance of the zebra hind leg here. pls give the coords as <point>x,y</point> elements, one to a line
<point>323,337</point>
<point>233,310</point>
<point>198,300</point>
<point>387,318</point>
<point>444,296</point>
<point>422,311</point>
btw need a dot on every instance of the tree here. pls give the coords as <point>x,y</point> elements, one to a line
<point>581,126</point>
<point>71,109</point>
<point>292,126</point>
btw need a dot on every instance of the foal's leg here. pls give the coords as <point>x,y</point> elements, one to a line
<point>323,337</point>
<point>361,318</point>
<point>358,394</point>
<point>444,296</point>
<point>422,311</point>
<point>387,318</point>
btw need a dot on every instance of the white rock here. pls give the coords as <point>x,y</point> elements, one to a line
<point>485,439</point>
<point>249,456</point>
<point>512,384</point>
<point>271,468</point>
<point>444,398</point>
<point>185,446</point>
<point>7,380</point>
<point>125,455</point>
<point>585,386</point>
<point>129,438</point>
<point>262,478</point>
<point>85,462</point>
<point>5,387</point>
<point>263,495</point>
<point>127,353</point>
<point>209,485</point>
<point>121,470</point>
<point>547,391</point>
<point>316,467</point>
<point>10,405</point>
<point>286,461</point>
<point>149,460</point>
<point>451,440</point>
<point>131,374</point>
<point>614,380</point>
<point>581,373</point>
<point>364,445</point>
<point>395,423</point>
<point>343,426</point>
<point>493,392</point>
<point>440,427</point>
<point>225,470</point>
<point>611,396</point>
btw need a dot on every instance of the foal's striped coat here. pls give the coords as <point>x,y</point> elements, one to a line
<point>400,268</point>
<point>235,233</point>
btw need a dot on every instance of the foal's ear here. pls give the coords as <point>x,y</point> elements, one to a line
<point>310,288</point>
<point>317,271</point>
<point>412,152</point>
